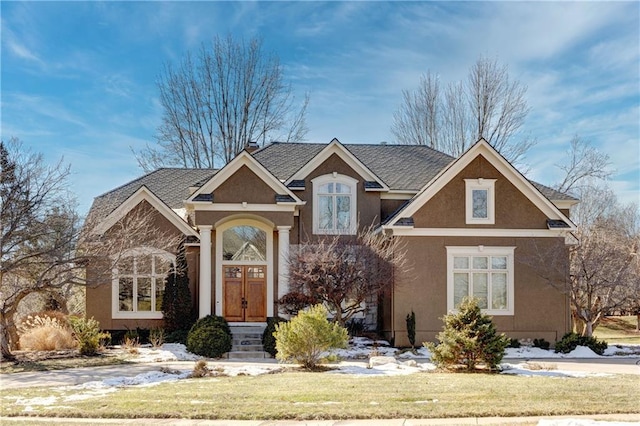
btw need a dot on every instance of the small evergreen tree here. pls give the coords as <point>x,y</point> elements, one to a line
<point>411,328</point>
<point>468,338</point>
<point>177,310</point>
<point>306,338</point>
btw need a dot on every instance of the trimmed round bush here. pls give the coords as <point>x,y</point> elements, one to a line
<point>268,339</point>
<point>210,337</point>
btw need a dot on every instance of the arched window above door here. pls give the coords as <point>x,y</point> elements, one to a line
<point>244,243</point>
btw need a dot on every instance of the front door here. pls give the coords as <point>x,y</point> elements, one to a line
<point>245,293</point>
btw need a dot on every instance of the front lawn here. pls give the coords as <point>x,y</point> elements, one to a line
<point>616,330</point>
<point>300,395</point>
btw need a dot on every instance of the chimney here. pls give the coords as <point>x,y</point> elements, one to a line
<point>251,147</point>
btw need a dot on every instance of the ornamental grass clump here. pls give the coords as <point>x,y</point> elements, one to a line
<point>45,333</point>
<point>308,336</point>
<point>469,338</point>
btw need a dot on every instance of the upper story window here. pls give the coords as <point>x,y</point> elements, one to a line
<point>138,283</point>
<point>334,204</point>
<point>480,201</point>
<point>485,273</point>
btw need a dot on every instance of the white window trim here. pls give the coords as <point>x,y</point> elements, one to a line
<point>116,313</point>
<point>482,184</point>
<point>508,252</point>
<point>335,178</point>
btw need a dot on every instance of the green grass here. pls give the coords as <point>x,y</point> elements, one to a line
<point>311,396</point>
<point>617,330</point>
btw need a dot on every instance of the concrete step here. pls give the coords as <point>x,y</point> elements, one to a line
<point>247,329</point>
<point>245,342</point>
<point>247,348</point>
<point>246,337</point>
<point>248,355</point>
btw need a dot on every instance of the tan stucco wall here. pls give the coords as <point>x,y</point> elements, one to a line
<point>446,209</point>
<point>214,218</point>
<point>540,310</point>
<point>244,185</point>
<point>99,291</point>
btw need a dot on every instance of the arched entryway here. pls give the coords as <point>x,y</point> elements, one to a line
<point>244,270</point>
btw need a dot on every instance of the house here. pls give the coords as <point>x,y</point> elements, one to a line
<point>471,226</point>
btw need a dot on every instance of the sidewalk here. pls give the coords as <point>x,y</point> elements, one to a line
<point>626,419</point>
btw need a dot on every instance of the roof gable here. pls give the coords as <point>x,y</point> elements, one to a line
<point>244,159</point>
<point>144,194</point>
<point>336,148</point>
<point>484,149</point>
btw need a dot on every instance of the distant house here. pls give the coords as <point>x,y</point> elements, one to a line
<point>471,226</point>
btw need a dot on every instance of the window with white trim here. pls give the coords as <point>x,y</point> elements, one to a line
<point>334,204</point>
<point>138,283</point>
<point>485,273</point>
<point>480,201</point>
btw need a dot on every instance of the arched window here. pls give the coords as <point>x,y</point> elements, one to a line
<point>138,282</point>
<point>334,204</point>
<point>244,243</point>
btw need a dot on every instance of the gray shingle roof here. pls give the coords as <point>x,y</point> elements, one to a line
<point>400,167</point>
<point>168,184</point>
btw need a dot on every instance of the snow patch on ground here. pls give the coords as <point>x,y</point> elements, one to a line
<point>535,369</point>
<point>168,352</point>
<point>389,369</point>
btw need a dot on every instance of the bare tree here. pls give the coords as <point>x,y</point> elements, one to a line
<point>43,247</point>
<point>603,268</point>
<point>231,93</point>
<point>345,272</point>
<point>584,165</point>
<point>488,105</point>
<point>600,273</point>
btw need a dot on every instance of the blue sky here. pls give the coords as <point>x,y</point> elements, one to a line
<point>78,78</point>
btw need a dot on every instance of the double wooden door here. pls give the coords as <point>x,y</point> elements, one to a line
<point>245,293</point>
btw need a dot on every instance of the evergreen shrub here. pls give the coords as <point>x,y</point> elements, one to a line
<point>177,309</point>
<point>87,333</point>
<point>210,337</point>
<point>571,340</point>
<point>541,343</point>
<point>469,338</point>
<point>411,328</point>
<point>514,343</point>
<point>308,336</point>
<point>177,336</point>
<point>268,339</point>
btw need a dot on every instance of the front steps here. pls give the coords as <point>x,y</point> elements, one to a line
<point>247,342</point>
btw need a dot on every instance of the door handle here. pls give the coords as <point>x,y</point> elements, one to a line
<point>244,303</point>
